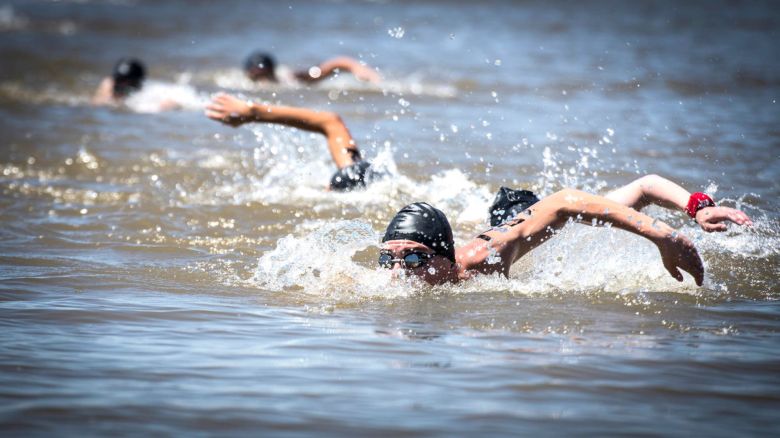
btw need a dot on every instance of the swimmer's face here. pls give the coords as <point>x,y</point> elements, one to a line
<point>124,87</point>
<point>260,73</point>
<point>434,270</point>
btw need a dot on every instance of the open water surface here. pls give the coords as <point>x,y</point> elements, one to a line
<point>161,274</point>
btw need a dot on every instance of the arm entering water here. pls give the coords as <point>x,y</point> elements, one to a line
<point>235,112</point>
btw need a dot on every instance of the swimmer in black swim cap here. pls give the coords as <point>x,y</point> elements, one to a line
<point>418,240</point>
<point>260,66</point>
<point>352,173</point>
<point>127,77</point>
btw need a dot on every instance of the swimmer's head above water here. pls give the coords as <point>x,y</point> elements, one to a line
<point>260,66</point>
<point>128,76</point>
<point>419,241</point>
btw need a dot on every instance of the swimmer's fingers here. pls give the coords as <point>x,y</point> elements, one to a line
<point>690,262</point>
<point>223,117</point>
<point>214,115</point>
<point>225,99</point>
<point>713,218</point>
<point>679,254</point>
<point>710,228</point>
<point>739,217</point>
<point>672,269</point>
<point>216,107</point>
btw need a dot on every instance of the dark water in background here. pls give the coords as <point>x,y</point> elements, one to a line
<point>161,274</point>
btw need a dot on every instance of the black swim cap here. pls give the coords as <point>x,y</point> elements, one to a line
<point>262,63</point>
<point>129,74</point>
<point>354,176</point>
<point>509,203</point>
<point>422,223</point>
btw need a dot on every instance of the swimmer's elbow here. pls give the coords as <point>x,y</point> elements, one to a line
<point>565,201</point>
<point>331,122</point>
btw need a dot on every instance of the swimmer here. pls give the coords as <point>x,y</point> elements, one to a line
<point>419,238</point>
<point>352,171</point>
<point>127,78</point>
<point>419,242</point>
<point>261,67</point>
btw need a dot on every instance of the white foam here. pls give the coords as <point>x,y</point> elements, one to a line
<point>158,96</point>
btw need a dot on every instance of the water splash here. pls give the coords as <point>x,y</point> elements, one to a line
<point>321,263</point>
<point>157,96</point>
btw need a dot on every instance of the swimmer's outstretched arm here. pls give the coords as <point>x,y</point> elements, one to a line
<point>535,226</point>
<point>653,189</point>
<point>235,112</point>
<point>327,68</point>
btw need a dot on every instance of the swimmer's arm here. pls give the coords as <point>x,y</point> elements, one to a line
<point>235,112</point>
<point>329,67</point>
<point>170,105</point>
<point>653,189</point>
<point>104,95</point>
<point>552,213</point>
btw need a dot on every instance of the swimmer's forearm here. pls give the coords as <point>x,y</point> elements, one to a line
<point>342,147</point>
<point>537,224</point>
<point>342,63</point>
<point>597,210</point>
<point>235,112</point>
<point>301,118</point>
<point>326,69</point>
<point>678,253</point>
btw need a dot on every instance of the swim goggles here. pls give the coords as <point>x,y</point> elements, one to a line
<point>410,260</point>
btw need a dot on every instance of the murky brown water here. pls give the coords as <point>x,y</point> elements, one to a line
<point>163,274</point>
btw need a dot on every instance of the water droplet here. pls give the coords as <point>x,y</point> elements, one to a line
<point>396,32</point>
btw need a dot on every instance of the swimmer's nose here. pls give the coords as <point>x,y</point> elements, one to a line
<point>397,270</point>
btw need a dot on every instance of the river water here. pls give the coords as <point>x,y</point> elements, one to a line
<point>161,274</point>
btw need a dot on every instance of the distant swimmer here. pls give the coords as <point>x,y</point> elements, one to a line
<point>353,171</point>
<point>127,78</point>
<point>418,241</point>
<point>261,67</point>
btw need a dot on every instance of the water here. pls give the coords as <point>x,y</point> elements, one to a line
<point>162,274</point>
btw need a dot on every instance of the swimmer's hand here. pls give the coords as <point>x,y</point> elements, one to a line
<point>678,253</point>
<point>712,218</point>
<point>229,110</point>
<point>366,74</point>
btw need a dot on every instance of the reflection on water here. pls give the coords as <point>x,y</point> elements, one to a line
<point>158,265</point>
